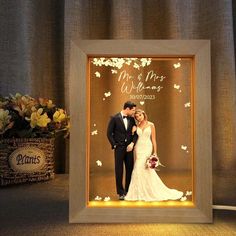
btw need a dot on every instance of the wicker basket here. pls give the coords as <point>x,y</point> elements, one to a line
<point>9,175</point>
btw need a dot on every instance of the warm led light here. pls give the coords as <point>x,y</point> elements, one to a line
<point>142,204</point>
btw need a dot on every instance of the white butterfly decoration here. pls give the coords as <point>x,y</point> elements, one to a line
<point>114,71</point>
<point>187,104</point>
<point>99,163</point>
<point>108,94</point>
<point>106,199</point>
<point>177,65</point>
<point>141,102</point>
<point>95,132</point>
<point>184,147</point>
<point>176,86</point>
<point>97,198</point>
<point>97,74</point>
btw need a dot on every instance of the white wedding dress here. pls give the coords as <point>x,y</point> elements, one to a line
<point>145,184</point>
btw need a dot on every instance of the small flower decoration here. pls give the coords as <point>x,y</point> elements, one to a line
<point>38,118</point>
<point>22,104</point>
<point>59,116</point>
<point>5,121</point>
<point>182,199</point>
<point>22,116</point>
<point>188,193</point>
<point>46,103</point>
<point>97,198</point>
<point>106,199</point>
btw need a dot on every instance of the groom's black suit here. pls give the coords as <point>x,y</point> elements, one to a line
<point>119,138</point>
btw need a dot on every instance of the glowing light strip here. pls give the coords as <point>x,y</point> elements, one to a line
<point>140,204</point>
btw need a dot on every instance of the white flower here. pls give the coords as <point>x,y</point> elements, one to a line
<point>106,199</point>
<point>128,62</point>
<point>136,65</point>
<point>182,199</point>
<point>145,61</point>
<point>97,62</point>
<point>188,193</point>
<point>97,198</point>
<point>120,63</point>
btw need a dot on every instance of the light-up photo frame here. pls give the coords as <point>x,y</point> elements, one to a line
<point>168,81</point>
<point>161,87</point>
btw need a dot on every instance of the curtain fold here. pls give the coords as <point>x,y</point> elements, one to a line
<point>35,45</point>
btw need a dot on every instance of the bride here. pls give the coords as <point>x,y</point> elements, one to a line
<point>145,184</point>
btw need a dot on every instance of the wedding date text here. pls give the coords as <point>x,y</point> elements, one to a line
<point>142,96</point>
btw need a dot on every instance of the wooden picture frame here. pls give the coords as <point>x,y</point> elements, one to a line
<point>80,211</point>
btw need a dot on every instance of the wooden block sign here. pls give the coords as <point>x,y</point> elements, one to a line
<point>27,160</point>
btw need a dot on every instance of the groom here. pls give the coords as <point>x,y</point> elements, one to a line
<point>119,133</point>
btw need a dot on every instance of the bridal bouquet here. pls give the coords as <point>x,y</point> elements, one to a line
<point>153,162</point>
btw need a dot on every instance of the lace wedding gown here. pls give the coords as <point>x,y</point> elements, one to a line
<point>145,184</point>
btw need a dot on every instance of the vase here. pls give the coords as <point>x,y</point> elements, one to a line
<point>26,160</point>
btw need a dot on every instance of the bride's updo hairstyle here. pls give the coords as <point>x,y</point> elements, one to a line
<point>138,111</point>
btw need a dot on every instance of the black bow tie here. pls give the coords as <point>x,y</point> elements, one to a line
<point>125,117</point>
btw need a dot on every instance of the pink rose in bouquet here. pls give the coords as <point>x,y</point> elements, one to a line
<point>153,162</point>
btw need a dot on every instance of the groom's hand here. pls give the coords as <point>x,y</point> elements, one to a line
<point>130,147</point>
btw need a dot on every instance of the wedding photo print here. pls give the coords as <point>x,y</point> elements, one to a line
<point>140,139</point>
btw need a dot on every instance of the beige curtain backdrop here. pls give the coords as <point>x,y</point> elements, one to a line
<point>34,55</point>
